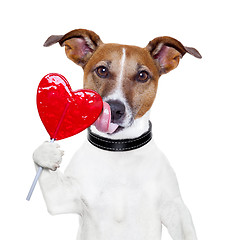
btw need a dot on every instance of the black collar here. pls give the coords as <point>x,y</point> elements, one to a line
<point>120,145</point>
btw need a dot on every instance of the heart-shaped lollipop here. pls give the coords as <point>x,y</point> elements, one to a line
<point>64,112</point>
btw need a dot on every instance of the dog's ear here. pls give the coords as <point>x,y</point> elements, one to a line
<point>79,44</point>
<point>167,52</point>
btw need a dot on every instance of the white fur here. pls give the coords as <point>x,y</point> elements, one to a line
<point>122,64</point>
<point>118,195</point>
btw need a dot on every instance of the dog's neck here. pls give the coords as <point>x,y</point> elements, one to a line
<point>139,126</point>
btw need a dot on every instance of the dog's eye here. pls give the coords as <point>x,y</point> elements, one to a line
<point>142,76</point>
<point>102,72</point>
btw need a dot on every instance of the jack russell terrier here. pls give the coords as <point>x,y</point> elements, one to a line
<point>119,182</point>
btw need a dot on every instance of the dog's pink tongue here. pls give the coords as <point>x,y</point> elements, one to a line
<point>103,123</point>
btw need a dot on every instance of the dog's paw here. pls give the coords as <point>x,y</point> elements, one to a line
<point>48,155</point>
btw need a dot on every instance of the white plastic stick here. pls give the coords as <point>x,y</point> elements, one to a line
<point>39,171</point>
<point>38,174</point>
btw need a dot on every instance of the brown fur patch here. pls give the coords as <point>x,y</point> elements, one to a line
<point>140,96</point>
<point>108,56</point>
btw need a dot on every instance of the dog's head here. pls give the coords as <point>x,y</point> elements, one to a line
<point>125,76</point>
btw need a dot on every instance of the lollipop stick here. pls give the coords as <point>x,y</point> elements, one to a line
<point>38,174</point>
<point>39,171</point>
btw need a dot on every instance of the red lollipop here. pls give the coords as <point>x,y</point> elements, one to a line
<point>64,112</point>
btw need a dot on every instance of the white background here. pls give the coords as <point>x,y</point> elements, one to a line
<point>196,115</point>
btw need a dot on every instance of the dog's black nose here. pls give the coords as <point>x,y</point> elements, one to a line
<point>117,110</point>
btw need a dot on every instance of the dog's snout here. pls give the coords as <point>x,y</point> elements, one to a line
<point>117,110</point>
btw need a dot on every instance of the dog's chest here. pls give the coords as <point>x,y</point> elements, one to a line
<point>119,190</point>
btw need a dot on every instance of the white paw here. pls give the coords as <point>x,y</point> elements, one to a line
<point>48,155</point>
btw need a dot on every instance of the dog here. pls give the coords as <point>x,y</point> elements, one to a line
<point>119,183</point>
